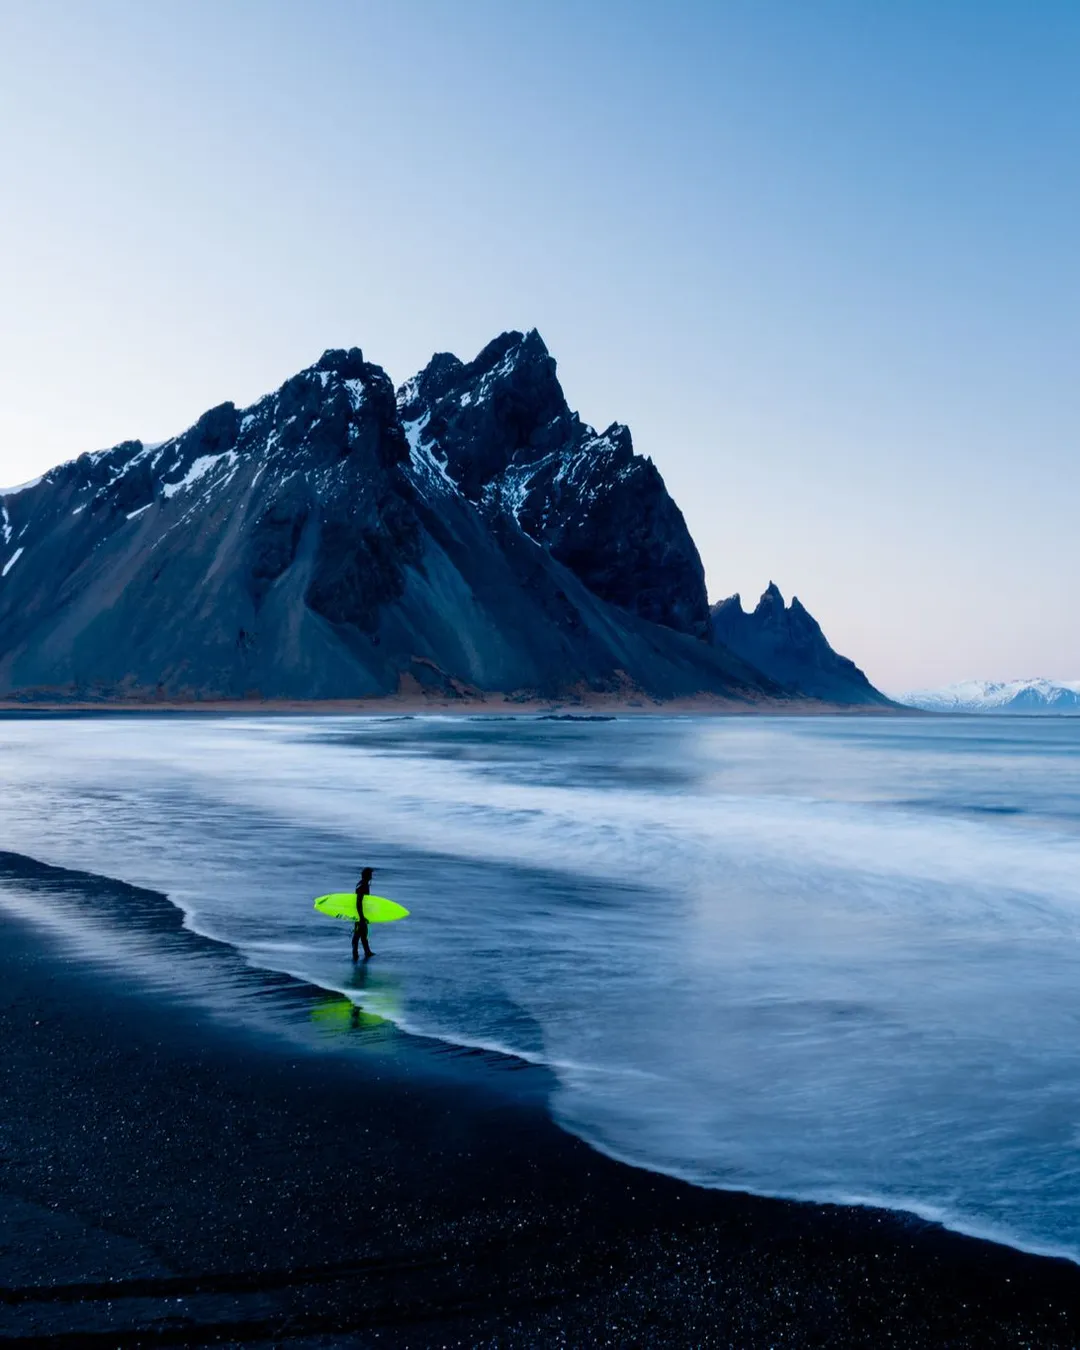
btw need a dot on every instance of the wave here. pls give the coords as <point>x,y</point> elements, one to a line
<point>748,957</point>
<point>940,1216</point>
<point>148,936</point>
<point>124,925</point>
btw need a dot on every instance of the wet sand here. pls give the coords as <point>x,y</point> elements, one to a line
<point>172,1175</point>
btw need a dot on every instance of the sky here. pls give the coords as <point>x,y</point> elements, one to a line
<point>823,259</point>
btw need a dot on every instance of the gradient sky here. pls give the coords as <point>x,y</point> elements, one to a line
<point>822,258</point>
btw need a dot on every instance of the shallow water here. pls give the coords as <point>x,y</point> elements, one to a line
<point>833,959</point>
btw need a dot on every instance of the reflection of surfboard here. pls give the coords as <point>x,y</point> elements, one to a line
<point>344,1015</point>
<point>377,909</point>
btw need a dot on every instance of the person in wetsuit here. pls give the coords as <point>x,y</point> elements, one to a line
<point>360,928</point>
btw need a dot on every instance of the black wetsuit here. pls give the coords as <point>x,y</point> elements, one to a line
<point>360,928</point>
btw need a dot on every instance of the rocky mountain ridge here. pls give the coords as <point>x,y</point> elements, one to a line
<point>340,539</point>
<point>500,430</point>
<point>786,643</point>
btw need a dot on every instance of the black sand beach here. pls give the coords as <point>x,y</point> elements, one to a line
<point>174,1176</point>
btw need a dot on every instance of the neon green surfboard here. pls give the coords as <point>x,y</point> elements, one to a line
<point>377,909</point>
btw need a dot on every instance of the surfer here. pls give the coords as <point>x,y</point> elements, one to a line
<point>360,927</point>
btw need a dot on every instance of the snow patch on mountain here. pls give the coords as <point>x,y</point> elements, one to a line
<point>199,469</point>
<point>22,487</point>
<point>426,467</point>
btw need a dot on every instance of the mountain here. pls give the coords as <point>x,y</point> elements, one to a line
<point>500,429</point>
<point>989,696</point>
<point>787,644</point>
<point>340,539</point>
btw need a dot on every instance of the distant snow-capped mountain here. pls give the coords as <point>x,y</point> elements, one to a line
<point>992,696</point>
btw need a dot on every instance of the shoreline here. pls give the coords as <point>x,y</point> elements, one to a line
<point>495,705</point>
<point>190,1174</point>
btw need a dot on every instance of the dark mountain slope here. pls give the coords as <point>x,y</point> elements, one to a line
<point>247,547</point>
<point>322,544</point>
<point>787,644</point>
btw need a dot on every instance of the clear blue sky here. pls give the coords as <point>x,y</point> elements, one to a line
<point>822,257</point>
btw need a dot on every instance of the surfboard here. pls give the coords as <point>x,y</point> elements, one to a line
<point>377,909</point>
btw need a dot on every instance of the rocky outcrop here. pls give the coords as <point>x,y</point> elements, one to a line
<point>339,540</point>
<point>500,429</point>
<point>786,643</point>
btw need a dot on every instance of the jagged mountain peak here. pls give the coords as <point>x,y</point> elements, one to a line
<point>616,440</point>
<point>446,376</point>
<point>349,364</point>
<point>787,644</point>
<point>770,603</point>
<point>511,349</point>
<point>312,417</point>
<point>799,623</point>
<point>428,386</point>
<point>772,608</point>
<point>505,405</point>
<point>498,429</point>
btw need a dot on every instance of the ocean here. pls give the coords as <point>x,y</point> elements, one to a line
<point>830,959</point>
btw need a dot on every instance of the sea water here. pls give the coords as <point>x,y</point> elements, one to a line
<point>835,959</point>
